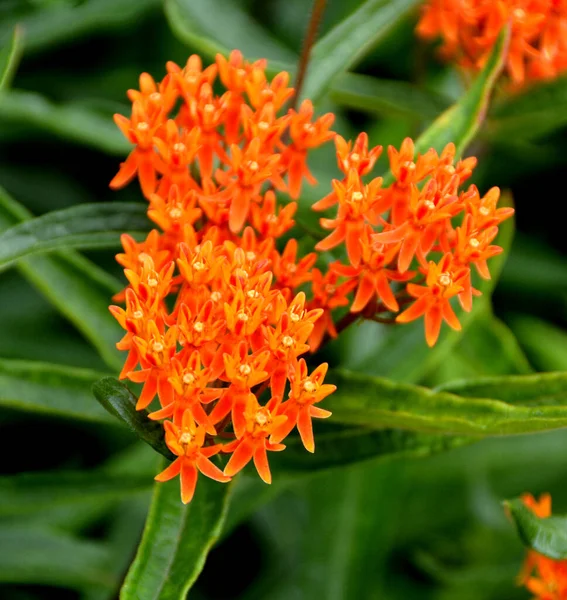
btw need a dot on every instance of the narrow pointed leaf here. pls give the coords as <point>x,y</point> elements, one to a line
<point>539,404</point>
<point>350,40</point>
<point>69,121</point>
<point>177,538</point>
<point>10,54</point>
<point>546,536</point>
<point>97,225</point>
<point>539,389</point>
<point>347,445</point>
<point>544,343</point>
<point>120,402</point>
<point>54,22</point>
<point>460,123</point>
<point>79,289</point>
<point>27,493</point>
<point>214,26</point>
<point>55,390</point>
<point>29,554</point>
<point>539,110</point>
<point>386,97</point>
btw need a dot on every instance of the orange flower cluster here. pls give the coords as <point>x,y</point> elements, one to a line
<point>213,316</point>
<point>469,29</point>
<point>544,577</point>
<point>387,230</point>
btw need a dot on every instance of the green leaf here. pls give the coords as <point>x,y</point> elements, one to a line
<point>25,493</point>
<point>57,22</point>
<point>539,110</point>
<point>544,343</point>
<point>75,286</point>
<point>69,121</point>
<point>51,389</point>
<point>29,554</point>
<point>218,26</point>
<point>97,225</point>
<point>176,541</point>
<point>547,536</point>
<point>460,123</point>
<point>349,41</point>
<point>345,445</point>
<point>539,389</point>
<point>525,404</point>
<point>119,401</point>
<point>9,58</point>
<point>384,97</point>
<point>487,348</point>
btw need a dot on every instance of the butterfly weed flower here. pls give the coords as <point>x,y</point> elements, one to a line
<point>215,321</point>
<point>544,577</point>
<point>410,246</point>
<point>220,311</point>
<point>468,31</point>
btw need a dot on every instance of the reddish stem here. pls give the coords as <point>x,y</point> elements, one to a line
<point>308,42</point>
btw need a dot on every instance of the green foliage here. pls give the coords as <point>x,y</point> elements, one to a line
<point>9,58</point>
<point>528,404</point>
<point>119,401</point>
<point>50,389</point>
<point>176,541</point>
<point>351,39</point>
<point>86,226</point>
<point>402,497</point>
<point>548,536</point>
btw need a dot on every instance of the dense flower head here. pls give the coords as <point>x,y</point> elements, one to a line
<point>215,321</point>
<point>544,577</point>
<point>220,310</point>
<point>469,28</point>
<point>413,242</point>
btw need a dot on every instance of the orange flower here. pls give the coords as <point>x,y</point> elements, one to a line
<point>213,315</point>
<point>443,282</point>
<point>253,425</point>
<point>186,442</point>
<point>544,577</point>
<point>306,390</point>
<point>304,135</point>
<point>469,30</point>
<point>357,206</point>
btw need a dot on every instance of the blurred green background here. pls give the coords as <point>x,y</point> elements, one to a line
<point>401,529</point>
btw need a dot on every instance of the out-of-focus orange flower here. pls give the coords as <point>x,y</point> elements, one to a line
<point>544,577</point>
<point>468,30</point>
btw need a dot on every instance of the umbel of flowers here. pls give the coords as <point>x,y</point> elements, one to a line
<point>219,311</point>
<point>469,29</point>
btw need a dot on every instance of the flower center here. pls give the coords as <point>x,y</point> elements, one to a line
<point>179,147</point>
<point>309,386</point>
<point>287,341</point>
<point>199,326</point>
<point>474,243</point>
<point>188,378</point>
<point>445,279</point>
<point>262,417</point>
<point>245,370</point>
<point>185,438</point>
